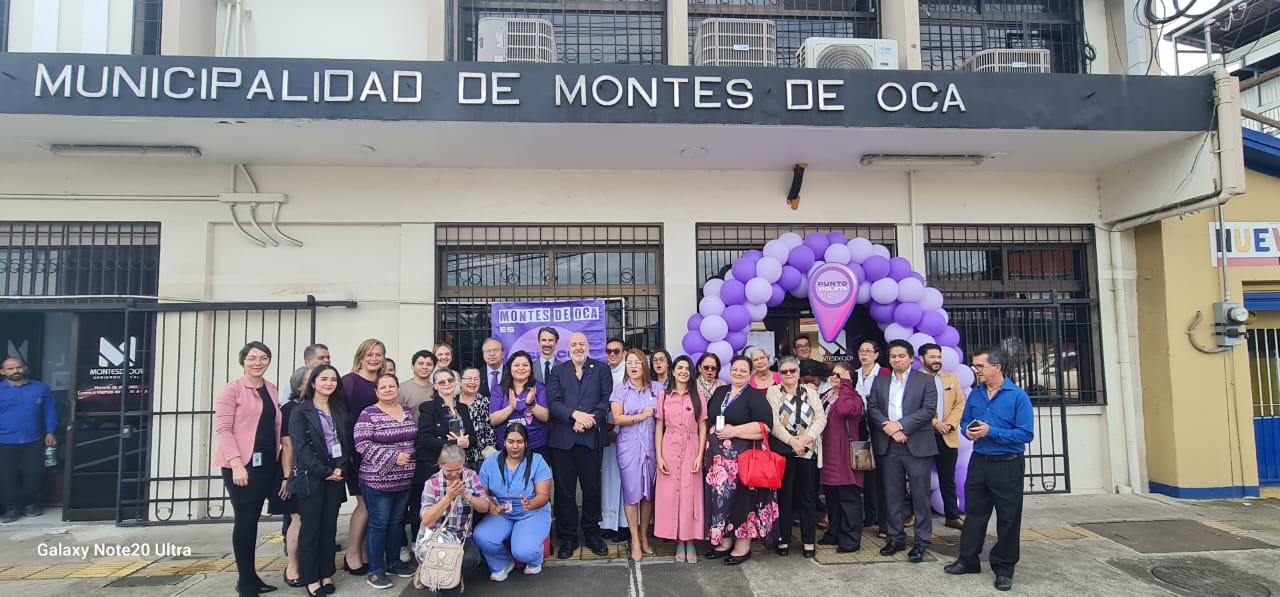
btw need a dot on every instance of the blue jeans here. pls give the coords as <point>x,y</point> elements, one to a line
<point>386,514</point>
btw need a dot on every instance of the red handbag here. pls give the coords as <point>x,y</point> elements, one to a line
<point>761,468</point>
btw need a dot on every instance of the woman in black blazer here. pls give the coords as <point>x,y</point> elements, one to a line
<point>320,432</point>
<point>440,422</point>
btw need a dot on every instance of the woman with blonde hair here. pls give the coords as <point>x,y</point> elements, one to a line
<point>360,388</point>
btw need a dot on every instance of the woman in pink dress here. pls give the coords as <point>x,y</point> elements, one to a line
<point>680,434</point>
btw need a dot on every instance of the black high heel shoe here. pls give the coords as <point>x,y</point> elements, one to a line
<point>361,571</point>
<point>293,582</point>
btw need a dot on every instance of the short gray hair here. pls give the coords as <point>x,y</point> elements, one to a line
<point>451,453</point>
<point>788,360</point>
<point>436,374</point>
<point>995,356</point>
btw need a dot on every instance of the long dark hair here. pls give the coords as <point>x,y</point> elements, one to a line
<point>692,386</point>
<point>337,400</point>
<point>508,383</point>
<point>517,428</point>
<point>663,352</point>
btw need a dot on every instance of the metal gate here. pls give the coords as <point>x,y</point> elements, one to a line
<point>1264,379</point>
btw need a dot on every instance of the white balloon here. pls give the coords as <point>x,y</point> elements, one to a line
<point>880,250</point>
<point>864,292</point>
<point>931,299</point>
<point>792,241</point>
<point>777,249</point>
<point>837,253</point>
<point>757,312</point>
<point>712,287</point>
<point>711,305</point>
<point>859,250</point>
<point>769,268</point>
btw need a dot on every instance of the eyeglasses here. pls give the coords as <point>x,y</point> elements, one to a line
<point>446,382</point>
<point>659,359</point>
<point>635,362</point>
<point>257,359</point>
<point>613,351</point>
<point>788,371</point>
<point>475,379</point>
<point>709,368</point>
<point>980,366</point>
<point>492,350</point>
<point>866,352</point>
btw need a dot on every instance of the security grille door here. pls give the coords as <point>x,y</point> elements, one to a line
<point>1264,378</point>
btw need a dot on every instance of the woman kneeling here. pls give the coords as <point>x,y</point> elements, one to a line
<point>519,483</point>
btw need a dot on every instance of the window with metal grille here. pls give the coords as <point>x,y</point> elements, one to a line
<point>586,31</point>
<point>1031,291</point>
<point>795,20</point>
<point>480,265</point>
<point>66,259</point>
<point>953,30</point>
<point>146,26</point>
<point>4,25</point>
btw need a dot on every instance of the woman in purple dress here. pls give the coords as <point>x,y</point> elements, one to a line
<point>633,403</point>
<point>360,388</point>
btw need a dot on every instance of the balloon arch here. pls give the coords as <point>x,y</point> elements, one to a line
<point>898,299</point>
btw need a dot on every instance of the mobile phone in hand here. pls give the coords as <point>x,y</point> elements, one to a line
<point>974,424</point>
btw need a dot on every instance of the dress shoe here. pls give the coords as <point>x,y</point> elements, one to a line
<point>316,593</point>
<point>598,546</point>
<point>715,554</point>
<point>361,571</point>
<point>32,510</point>
<point>957,568</point>
<point>11,516</point>
<point>829,539</point>
<point>809,553</point>
<point>259,588</point>
<point>891,548</point>
<point>1004,583</point>
<point>566,550</point>
<point>848,549</point>
<point>955,523</point>
<point>329,589</point>
<point>782,551</point>
<point>293,582</point>
<point>916,555</point>
<point>733,560</point>
<point>909,522</point>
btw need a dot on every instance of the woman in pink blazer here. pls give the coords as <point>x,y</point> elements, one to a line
<point>246,420</point>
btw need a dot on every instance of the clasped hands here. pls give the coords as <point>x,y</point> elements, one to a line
<point>893,429</point>
<point>582,421</point>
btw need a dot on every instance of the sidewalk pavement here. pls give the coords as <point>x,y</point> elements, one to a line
<point>1134,545</point>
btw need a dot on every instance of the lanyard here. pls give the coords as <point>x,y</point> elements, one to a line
<point>729,400</point>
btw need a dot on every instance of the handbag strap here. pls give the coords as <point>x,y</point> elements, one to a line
<point>440,523</point>
<point>764,439</point>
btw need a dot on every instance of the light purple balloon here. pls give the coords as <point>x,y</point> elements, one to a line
<point>931,322</point>
<point>917,276</point>
<point>949,337</point>
<point>918,339</point>
<point>883,291</point>
<point>713,328</point>
<point>875,267</point>
<point>712,287</point>
<point>965,376</point>
<point>837,253</point>
<point>881,312</point>
<point>910,290</point>
<point>790,278</point>
<point>733,292</point>
<point>864,292</point>
<point>858,273</point>
<point>744,268</point>
<point>736,317</point>
<point>710,305</point>
<point>723,350</point>
<point>758,291</point>
<point>816,264</point>
<point>695,320</point>
<point>801,258</point>
<point>899,268</point>
<point>729,274</point>
<point>894,331</point>
<point>802,289</point>
<point>817,242</point>
<point>945,316</point>
<point>906,314</point>
<point>769,268</point>
<point>950,359</point>
<point>694,343</point>
<point>881,250</point>
<point>737,339</point>
<point>754,255</point>
<point>837,238</point>
<point>931,300</point>
<point>859,249</point>
<point>777,296</point>
<point>777,250</point>
<point>792,240</point>
<point>758,312</point>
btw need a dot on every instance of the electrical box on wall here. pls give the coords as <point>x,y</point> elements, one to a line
<point>1229,320</point>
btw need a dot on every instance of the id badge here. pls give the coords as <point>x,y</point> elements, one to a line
<point>256,460</point>
<point>719,422</point>
<point>335,450</point>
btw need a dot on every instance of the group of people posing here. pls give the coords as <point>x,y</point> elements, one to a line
<point>473,457</point>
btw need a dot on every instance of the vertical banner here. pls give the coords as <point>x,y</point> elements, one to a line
<point>517,325</point>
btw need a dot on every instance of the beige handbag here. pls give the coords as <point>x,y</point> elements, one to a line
<point>861,457</point>
<point>441,565</point>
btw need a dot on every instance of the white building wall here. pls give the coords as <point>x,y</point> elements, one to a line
<point>82,26</point>
<point>370,29</point>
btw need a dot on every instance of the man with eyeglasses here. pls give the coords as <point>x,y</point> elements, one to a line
<point>578,398</point>
<point>809,367</point>
<point>999,419</point>
<point>493,355</point>
<point>613,350</point>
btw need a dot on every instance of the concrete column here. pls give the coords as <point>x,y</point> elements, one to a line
<point>901,21</point>
<point>417,325</point>
<point>678,32</point>
<point>189,27</point>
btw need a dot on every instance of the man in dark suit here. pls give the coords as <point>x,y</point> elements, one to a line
<point>491,373</point>
<point>548,338</point>
<point>578,397</point>
<point>901,408</point>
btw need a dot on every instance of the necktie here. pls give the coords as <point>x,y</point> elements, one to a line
<point>546,371</point>
<point>493,383</point>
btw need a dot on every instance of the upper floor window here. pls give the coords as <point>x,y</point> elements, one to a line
<point>795,20</point>
<point>953,30</point>
<point>146,26</point>
<point>586,31</point>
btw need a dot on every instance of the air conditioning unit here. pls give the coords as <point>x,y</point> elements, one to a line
<point>736,42</point>
<point>1008,61</point>
<point>515,40</point>
<point>856,54</point>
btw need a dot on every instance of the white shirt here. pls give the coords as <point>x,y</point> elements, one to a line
<point>864,383</point>
<point>942,409</point>
<point>896,389</point>
<point>619,373</point>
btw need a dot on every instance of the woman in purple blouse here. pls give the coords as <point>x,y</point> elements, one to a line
<point>522,399</point>
<point>384,437</point>
<point>358,386</point>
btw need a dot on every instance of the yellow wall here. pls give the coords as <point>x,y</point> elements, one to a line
<point>1197,407</point>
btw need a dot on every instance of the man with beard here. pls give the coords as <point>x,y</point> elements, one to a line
<point>26,413</point>
<point>578,396</point>
<point>946,429</point>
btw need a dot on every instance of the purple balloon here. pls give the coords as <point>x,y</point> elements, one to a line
<point>906,314</point>
<point>931,322</point>
<point>777,249</point>
<point>910,290</point>
<point>800,258</point>
<point>837,238</point>
<point>712,287</point>
<point>917,275</point>
<point>734,292</point>
<point>714,328</point>
<point>858,273</point>
<point>743,269</point>
<point>894,331</point>
<point>864,292</point>
<point>919,339</point>
<point>769,268</point>
<point>710,305</point>
<point>817,242</point>
<point>757,311</point>
<point>884,290</point>
<point>859,249</point>
<point>790,278</point>
<point>778,295</point>
<point>736,317</point>
<point>949,337</point>
<point>694,343</point>
<point>875,267</point>
<point>882,313</point>
<point>695,320</point>
<point>737,339</point>
<point>899,268</point>
<point>802,289</point>
<point>931,300</point>
<point>754,255</point>
<point>759,290</point>
<point>723,350</point>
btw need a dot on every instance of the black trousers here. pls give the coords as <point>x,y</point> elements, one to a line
<point>993,483</point>
<point>844,514</point>
<point>20,468</point>
<point>798,498</point>
<point>244,540</point>
<point>873,508</point>
<point>319,514</point>
<point>945,461</point>
<point>900,468</point>
<point>579,466</point>
<point>471,560</point>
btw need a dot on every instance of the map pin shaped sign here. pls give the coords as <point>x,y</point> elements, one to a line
<point>833,291</point>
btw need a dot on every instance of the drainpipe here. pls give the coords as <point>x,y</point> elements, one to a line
<point>1128,397</point>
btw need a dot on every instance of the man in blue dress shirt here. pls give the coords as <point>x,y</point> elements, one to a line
<point>27,422</point>
<point>998,417</point>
